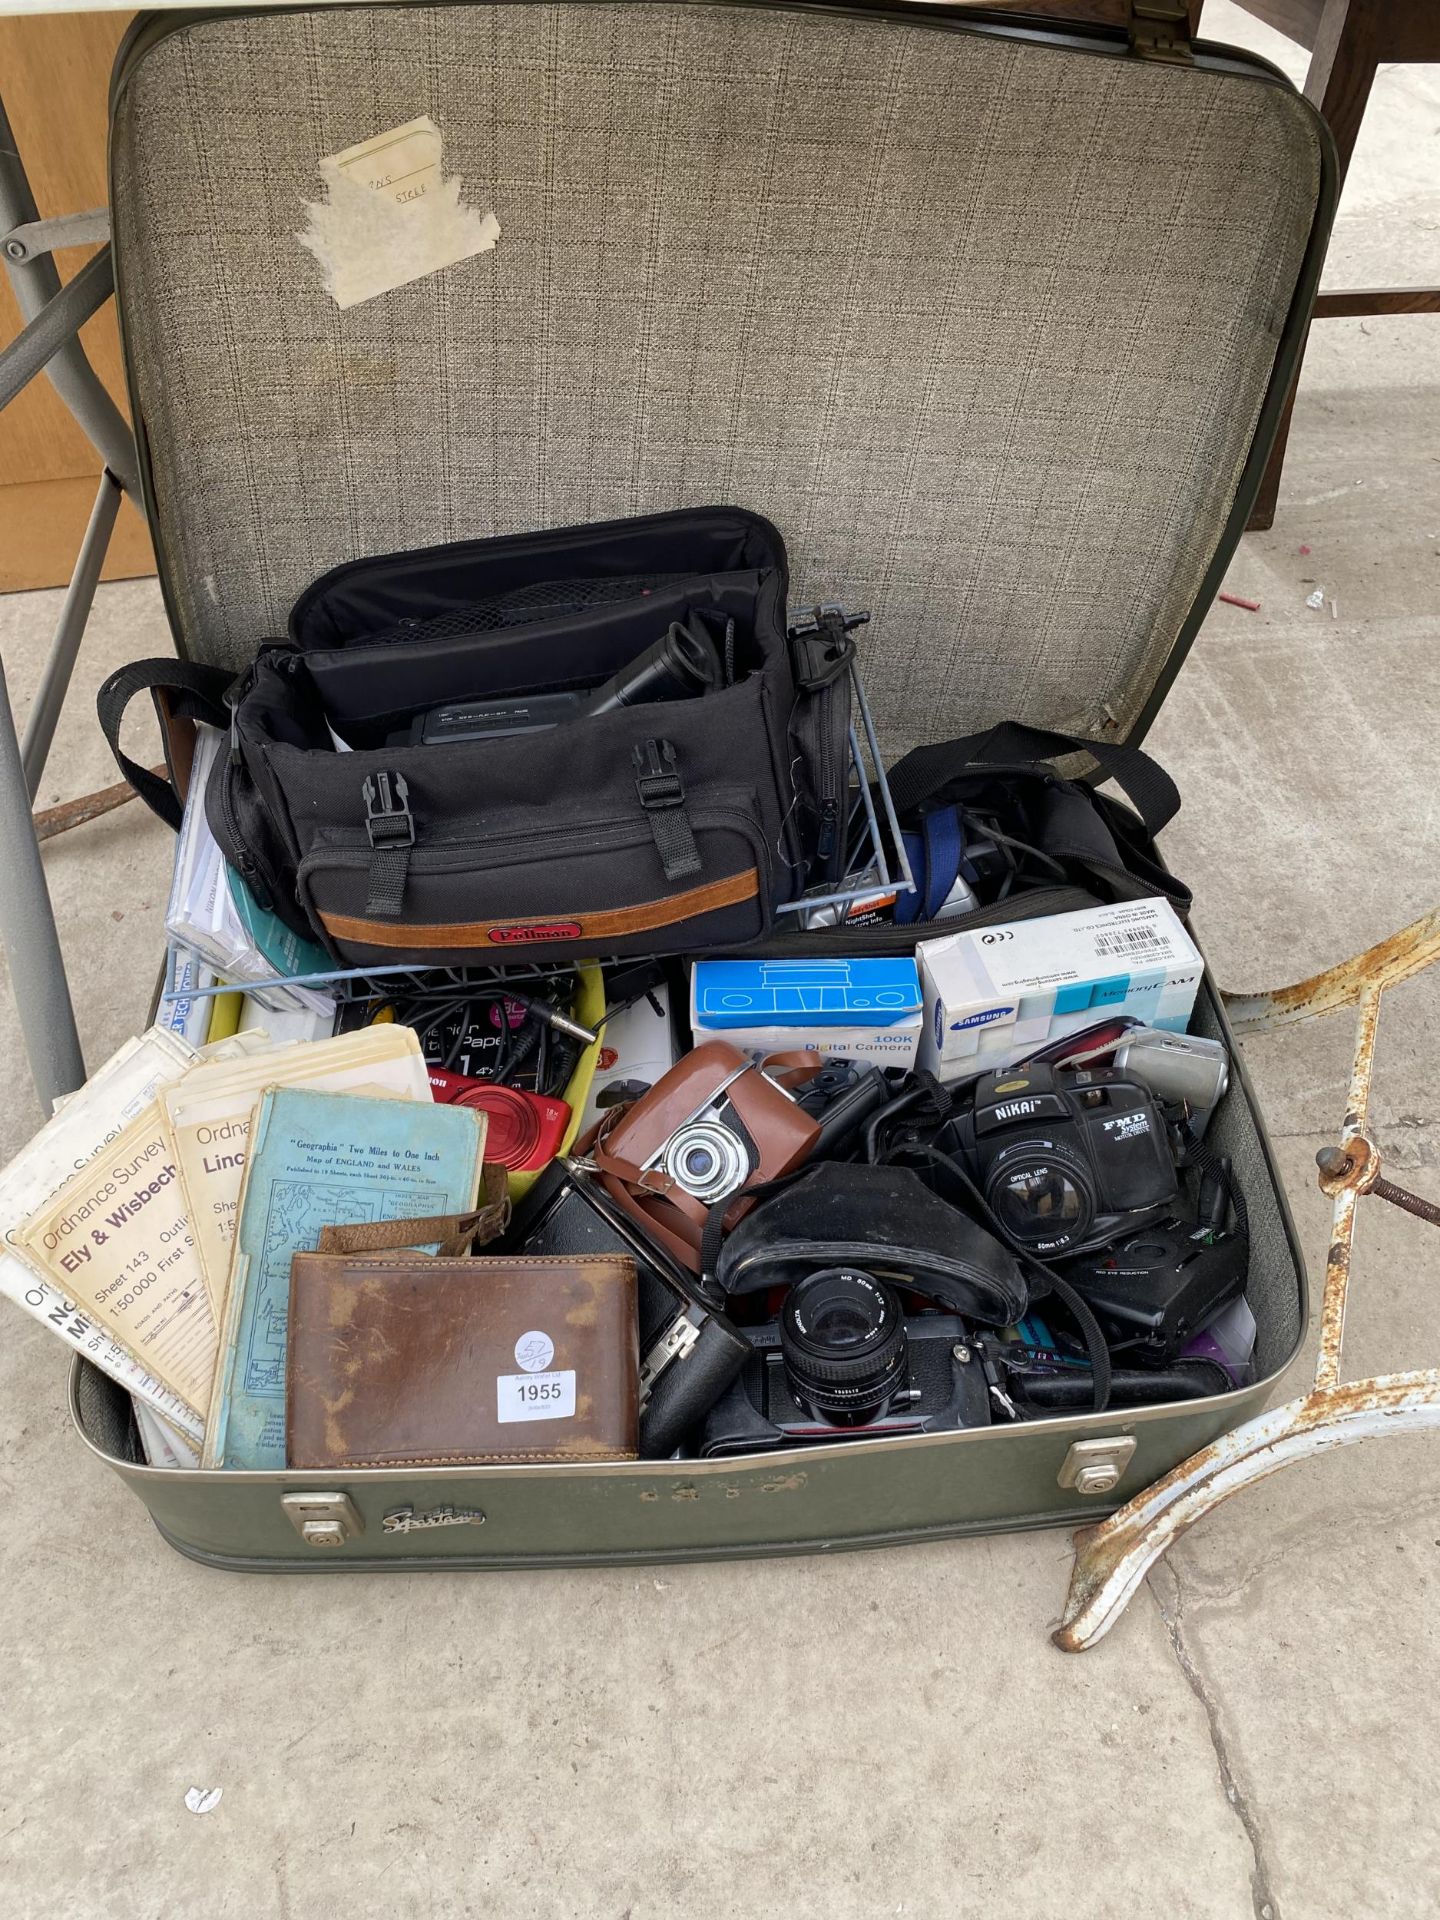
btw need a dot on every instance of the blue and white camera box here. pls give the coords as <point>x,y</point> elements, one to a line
<point>865,1010</point>
<point>995,994</point>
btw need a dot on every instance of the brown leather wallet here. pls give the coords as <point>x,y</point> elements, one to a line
<point>400,1360</point>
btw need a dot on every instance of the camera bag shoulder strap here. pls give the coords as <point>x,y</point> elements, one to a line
<point>183,691</point>
<point>925,771</point>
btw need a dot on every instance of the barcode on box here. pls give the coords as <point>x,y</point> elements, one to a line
<point>1129,940</point>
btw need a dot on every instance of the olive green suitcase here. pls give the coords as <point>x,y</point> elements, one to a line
<point>994,322</point>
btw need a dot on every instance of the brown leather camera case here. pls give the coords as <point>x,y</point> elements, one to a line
<point>406,1360</point>
<point>783,1133</point>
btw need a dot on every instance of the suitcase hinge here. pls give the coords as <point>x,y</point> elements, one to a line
<point>1160,30</point>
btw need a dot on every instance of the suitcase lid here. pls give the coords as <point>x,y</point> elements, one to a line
<point>995,324</point>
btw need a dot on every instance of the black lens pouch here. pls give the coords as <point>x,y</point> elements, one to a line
<point>885,1220</point>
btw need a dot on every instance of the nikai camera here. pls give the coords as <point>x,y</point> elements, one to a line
<point>842,1362</point>
<point>1067,1160</point>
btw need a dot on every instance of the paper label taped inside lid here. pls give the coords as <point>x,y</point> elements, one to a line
<point>391,216</point>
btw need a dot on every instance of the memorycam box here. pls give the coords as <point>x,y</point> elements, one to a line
<point>995,994</point>
<point>866,1010</point>
<point>637,1048</point>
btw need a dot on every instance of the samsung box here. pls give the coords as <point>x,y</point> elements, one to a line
<point>995,994</point>
<point>865,1010</point>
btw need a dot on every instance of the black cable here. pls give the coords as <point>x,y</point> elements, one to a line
<point>1206,1160</point>
<point>1017,846</point>
<point>460,997</point>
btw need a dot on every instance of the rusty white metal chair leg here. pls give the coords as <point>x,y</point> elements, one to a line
<point>1113,1558</point>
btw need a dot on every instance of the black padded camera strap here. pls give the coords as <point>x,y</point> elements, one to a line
<point>712,1236</point>
<point>190,692</point>
<point>926,771</point>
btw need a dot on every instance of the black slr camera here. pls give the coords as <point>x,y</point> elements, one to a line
<point>841,1359</point>
<point>842,1362</point>
<point>1067,1160</point>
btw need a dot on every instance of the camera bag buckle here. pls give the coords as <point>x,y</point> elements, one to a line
<point>661,789</point>
<point>390,826</point>
<point>823,647</point>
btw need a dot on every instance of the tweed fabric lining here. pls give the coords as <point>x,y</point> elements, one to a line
<point>983,325</point>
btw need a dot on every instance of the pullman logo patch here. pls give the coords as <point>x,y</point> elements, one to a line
<point>522,936</point>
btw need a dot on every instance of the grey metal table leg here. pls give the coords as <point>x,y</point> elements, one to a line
<point>36,282</point>
<point>27,927</point>
<point>69,630</point>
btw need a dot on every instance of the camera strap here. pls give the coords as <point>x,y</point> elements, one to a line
<point>712,1237</point>
<point>1050,1282</point>
<point>925,771</point>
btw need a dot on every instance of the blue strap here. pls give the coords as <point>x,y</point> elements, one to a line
<point>934,856</point>
<point>944,843</point>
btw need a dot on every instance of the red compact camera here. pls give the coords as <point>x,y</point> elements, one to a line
<point>525,1129</point>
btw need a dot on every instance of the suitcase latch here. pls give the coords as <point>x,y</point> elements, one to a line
<point>1097,1466</point>
<point>322,1519</point>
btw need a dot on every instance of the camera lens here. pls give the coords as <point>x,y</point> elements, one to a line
<point>680,665</point>
<point>707,1160</point>
<point>842,1338</point>
<point>1045,1199</point>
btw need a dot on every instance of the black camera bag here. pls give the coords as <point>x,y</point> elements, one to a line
<point>658,828</point>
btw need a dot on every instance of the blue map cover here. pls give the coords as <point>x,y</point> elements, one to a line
<point>319,1160</point>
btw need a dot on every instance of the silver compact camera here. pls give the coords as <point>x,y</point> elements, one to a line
<point>1178,1068</point>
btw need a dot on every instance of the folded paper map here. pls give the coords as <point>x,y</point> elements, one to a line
<point>89,1122</point>
<point>318,1160</point>
<point>210,1111</point>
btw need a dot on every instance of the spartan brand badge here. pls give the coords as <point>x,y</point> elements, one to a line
<point>407,1520</point>
<point>522,936</point>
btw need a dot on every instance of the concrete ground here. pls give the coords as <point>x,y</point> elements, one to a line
<point>877,1733</point>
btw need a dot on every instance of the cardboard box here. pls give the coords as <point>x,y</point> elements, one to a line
<point>865,1010</point>
<point>995,994</point>
<point>637,1045</point>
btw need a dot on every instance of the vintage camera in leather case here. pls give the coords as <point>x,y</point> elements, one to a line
<point>1023,424</point>
<point>713,1126</point>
